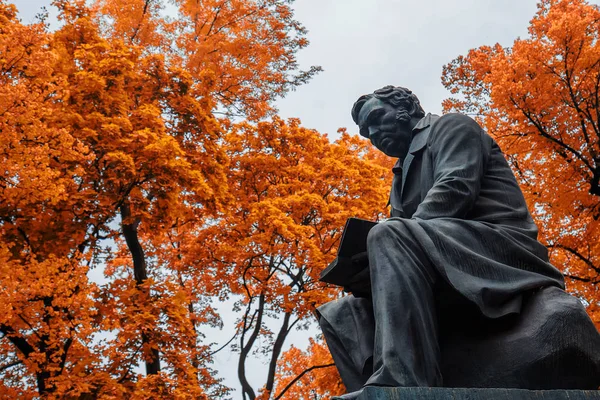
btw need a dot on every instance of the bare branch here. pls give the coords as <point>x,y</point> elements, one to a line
<point>277,346</point>
<point>296,379</point>
<point>222,347</point>
<point>10,365</point>
<point>246,348</point>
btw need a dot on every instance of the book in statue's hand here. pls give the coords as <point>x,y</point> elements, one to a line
<point>348,268</point>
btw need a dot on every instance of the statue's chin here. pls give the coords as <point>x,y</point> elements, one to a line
<point>395,152</point>
<point>396,144</point>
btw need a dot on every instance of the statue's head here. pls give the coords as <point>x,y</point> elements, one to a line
<point>387,117</point>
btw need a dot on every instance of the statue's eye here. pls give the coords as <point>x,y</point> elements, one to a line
<point>375,117</point>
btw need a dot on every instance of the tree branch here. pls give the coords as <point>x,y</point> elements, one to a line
<point>577,254</point>
<point>297,378</point>
<point>10,365</point>
<point>139,25</point>
<point>140,273</point>
<point>277,346</point>
<point>245,350</point>
<point>545,134</point>
<point>222,347</point>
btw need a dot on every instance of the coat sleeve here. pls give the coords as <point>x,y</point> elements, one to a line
<point>458,161</point>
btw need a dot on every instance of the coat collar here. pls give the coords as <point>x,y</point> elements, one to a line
<point>421,133</point>
<point>420,136</point>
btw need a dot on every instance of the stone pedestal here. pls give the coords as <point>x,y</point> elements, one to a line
<point>373,393</point>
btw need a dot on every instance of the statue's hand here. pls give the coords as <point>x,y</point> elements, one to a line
<point>360,285</point>
<point>361,259</point>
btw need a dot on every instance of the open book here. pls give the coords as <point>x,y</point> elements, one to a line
<point>350,267</point>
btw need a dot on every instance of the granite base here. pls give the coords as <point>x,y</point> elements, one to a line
<point>375,393</point>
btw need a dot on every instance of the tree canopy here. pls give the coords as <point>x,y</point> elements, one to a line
<point>146,176</point>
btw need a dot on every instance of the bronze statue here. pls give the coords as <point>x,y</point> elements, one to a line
<point>460,243</point>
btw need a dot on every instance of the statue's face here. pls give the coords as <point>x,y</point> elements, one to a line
<point>377,122</point>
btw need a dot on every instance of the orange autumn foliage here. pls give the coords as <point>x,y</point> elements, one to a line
<point>241,52</point>
<point>540,100</point>
<point>111,145</point>
<point>290,193</point>
<point>308,374</point>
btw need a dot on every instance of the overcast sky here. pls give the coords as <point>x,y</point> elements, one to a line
<point>363,45</point>
<point>366,44</point>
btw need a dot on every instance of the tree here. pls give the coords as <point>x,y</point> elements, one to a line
<point>110,144</point>
<point>241,53</point>
<point>540,100</point>
<point>291,191</point>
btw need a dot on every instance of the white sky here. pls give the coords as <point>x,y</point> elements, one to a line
<point>364,45</point>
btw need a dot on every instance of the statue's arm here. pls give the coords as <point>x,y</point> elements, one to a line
<point>458,157</point>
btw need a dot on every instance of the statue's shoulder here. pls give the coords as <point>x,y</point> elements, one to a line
<point>454,124</point>
<point>456,118</point>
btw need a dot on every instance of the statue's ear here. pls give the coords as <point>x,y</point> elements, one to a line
<point>403,116</point>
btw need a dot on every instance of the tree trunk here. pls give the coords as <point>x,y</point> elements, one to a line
<point>247,347</point>
<point>140,273</point>
<point>277,346</point>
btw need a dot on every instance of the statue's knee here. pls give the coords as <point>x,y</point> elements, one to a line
<point>379,234</point>
<point>385,233</point>
<point>397,248</point>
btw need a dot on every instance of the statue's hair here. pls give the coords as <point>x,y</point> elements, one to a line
<point>401,98</point>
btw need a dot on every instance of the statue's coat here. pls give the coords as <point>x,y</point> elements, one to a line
<point>458,196</point>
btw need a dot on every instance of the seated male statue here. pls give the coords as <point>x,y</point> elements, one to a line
<point>460,239</point>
